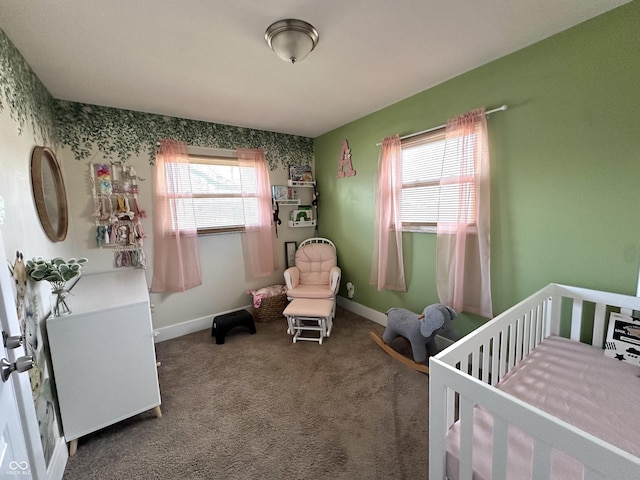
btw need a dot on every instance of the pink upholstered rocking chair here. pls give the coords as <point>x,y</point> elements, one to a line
<point>316,274</point>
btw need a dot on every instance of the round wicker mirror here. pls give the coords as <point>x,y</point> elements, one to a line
<point>49,193</point>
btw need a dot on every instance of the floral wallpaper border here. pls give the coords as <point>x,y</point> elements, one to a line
<point>120,133</point>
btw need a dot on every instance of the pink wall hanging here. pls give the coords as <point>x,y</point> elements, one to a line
<point>345,161</point>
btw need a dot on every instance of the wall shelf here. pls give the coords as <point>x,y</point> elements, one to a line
<point>288,195</point>
<point>292,183</point>
<point>296,224</point>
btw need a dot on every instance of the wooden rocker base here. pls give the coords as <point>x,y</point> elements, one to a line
<point>401,358</point>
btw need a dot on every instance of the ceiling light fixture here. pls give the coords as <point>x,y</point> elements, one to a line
<point>292,40</point>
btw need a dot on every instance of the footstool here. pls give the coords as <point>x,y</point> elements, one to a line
<point>223,323</point>
<point>309,314</point>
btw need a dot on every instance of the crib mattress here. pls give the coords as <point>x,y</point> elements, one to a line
<point>572,381</point>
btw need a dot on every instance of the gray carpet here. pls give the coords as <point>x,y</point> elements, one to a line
<point>260,406</point>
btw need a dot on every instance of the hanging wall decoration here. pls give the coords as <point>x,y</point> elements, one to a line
<point>117,214</point>
<point>345,162</point>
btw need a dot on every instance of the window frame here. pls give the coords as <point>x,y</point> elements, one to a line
<point>430,136</point>
<point>215,157</point>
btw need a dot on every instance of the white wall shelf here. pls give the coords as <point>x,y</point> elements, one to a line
<point>292,183</point>
<point>295,224</point>
<point>288,195</point>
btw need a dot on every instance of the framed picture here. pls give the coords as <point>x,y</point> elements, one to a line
<point>623,338</point>
<point>290,253</point>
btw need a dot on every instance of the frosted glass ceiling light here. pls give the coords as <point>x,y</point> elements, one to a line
<point>292,40</point>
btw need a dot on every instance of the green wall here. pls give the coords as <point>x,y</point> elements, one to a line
<point>565,160</point>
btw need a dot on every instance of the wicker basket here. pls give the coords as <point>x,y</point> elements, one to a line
<point>270,308</point>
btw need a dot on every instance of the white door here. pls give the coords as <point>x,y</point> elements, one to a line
<point>14,461</point>
<point>14,458</point>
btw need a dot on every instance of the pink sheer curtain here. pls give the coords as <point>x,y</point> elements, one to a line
<point>176,256</point>
<point>259,239</point>
<point>463,276</point>
<point>387,266</point>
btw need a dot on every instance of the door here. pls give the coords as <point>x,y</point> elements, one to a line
<point>15,461</point>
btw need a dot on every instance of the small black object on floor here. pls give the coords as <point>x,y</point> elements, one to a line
<point>223,323</point>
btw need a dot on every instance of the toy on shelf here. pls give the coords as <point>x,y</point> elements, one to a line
<point>302,217</point>
<point>300,175</point>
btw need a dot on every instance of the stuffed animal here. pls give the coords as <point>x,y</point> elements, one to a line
<point>420,330</point>
<point>19,272</point>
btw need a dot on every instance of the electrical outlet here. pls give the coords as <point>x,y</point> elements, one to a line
<point>351,290</point>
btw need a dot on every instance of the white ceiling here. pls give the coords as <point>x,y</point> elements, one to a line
<point>208,60</point>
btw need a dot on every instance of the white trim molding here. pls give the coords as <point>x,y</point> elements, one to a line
<point>205,323</point>
<point>190,326</point>
<point>381,318</point>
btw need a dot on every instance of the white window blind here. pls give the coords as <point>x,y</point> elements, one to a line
<point>217,185</point>
<point>431,181</point>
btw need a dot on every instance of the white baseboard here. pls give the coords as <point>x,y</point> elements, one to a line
<point>366,312</point>
<point>190,326</point>
<point>381,319</point>
<point>203,323</point>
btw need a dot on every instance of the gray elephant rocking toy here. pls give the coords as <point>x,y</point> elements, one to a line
<point>419,330</point>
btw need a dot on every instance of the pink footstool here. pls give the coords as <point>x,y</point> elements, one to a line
<point>309,314</point>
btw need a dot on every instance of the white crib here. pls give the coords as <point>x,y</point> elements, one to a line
<point>464,377</point>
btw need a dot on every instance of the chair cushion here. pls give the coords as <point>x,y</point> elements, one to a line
<point>310,291</point>
<point>306,307</point>
<point>314,262</point>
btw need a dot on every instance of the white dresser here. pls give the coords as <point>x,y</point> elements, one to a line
<point>103,354</point>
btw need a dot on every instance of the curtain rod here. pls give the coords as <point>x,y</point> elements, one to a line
<point>489,112</point>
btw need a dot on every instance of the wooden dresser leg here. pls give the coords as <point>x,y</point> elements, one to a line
<point>157,411</point>
<point>73,447</point>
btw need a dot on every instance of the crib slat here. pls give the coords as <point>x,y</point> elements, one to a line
<point>526,332</point>
<point>495,358</point>
<point>554,314</point>
<point>450,406</point>
<point>598,325</point>
<point>539,324</point>
<point>500,448</point>
<point>541,461</point>
<point>486,355</point>
<point>512,346</point>
<point>533,329</point>
<point>519,329</point>
<point>576,319</point>
<point>504,366</point>
<point>466,438</point>
<point>546,319</point>
<point>475,364</point>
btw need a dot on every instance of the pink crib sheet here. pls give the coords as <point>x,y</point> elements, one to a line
<point>572,381</point>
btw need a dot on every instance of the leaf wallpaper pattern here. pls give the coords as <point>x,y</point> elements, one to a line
<point>29,102</point>
<point>117,133</point>
<point>120,133</point>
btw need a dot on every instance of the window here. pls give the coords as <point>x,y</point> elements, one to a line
<point>217,184</point>
<point>430,184</point>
